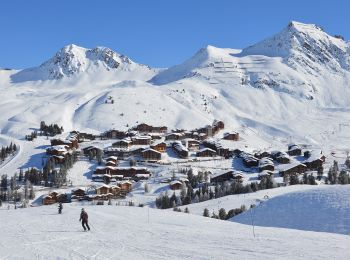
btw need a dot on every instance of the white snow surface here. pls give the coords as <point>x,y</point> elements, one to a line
<point>140,233</point>
<point>322,209</point>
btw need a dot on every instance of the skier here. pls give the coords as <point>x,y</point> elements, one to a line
<point>84,219</point>
<point>60,207</point>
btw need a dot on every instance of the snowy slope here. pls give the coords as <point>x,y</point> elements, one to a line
<point>272,90</point>
<point>136,233</point>
<point>72,60</point>
<point>324,209</point>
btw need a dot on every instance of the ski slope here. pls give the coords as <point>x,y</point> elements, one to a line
<point>322,209</point>
<point>140,233</point>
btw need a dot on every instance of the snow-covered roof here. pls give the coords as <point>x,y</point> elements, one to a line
<point>175,182</point>
<point>151,150</point>
<point>206,149</point>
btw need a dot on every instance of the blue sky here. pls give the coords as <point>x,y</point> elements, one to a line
<point>158,33</point>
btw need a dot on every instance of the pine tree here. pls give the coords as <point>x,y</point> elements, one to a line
<point>187,210</point>
<point>222,214</point>
<point>206,213</point>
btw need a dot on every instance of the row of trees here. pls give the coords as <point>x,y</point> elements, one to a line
<point>337,176</point>
<point>222,213</point>
<point>7,151</point>
<point>10,190</point>
<point>188,195</point>
<point>50,130</point>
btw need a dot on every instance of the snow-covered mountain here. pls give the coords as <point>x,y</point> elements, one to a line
<point>296,78</point>
<point>72,60</point>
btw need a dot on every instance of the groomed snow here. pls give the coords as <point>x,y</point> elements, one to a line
<point>139,233</point>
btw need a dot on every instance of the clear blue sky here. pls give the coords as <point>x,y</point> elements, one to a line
<point>159,33</point>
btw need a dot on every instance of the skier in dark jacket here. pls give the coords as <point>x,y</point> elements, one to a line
<point>84,219</point>
<point>60,207</point>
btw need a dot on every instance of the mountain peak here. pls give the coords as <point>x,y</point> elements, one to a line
<point>72,59</point>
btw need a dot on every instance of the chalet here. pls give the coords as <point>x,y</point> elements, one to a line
<point>218,125</point>
<point>85,136</point>
<point>63,198</point>
<point>220,150</point>
<point>150,154</point>
<point>206,152</point>
<point>191,144</point>
<point>91,149</point>
<point>57,159</point>
<point>179,149</point>
<point>249,160</point>
<point>111,163</point>
<point>315,160</point>
<point>112,159</point>
<point>115,190</point>
<point>115,134</point>
<point>102,190</point>
<point>144,128</point>
<point>125,186</point>
<point>175,185</point>
<point>221,177</point>
<point>131,172</point>
<point>123,144</point>
<point>292,168</point>
<point>141,140</point>
<point>233,136</point>
<point>174,136</point>
<point>264,174</point>
<point>280,157</point>
<point>159,146</point>
<point>111,170</point>
<point>260,155</point>
<point>238,177</point>
<point>294,150</point>
<point>59,150</point>
<point>266,164</point>
<point>48,200</point>
<point>79,192</point>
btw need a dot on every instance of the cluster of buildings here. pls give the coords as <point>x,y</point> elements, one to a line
<point>61,147</point>
<point>293,161</point>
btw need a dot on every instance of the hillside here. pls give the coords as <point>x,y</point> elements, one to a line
<point>136,233</point>
<point>296,78</point>
<point>323,209</point>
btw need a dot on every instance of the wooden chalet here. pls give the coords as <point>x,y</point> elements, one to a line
<point>48,200</point>
<point>91,149</point>
<point>175,185</point>
<point>78,192</point>
<point>232,136</point>
<point>122,144</point>
<point>280,157</point>
<point>85,136</point>
<point>145,128</point>
<point>191,144</point>
<point>125,186</point>
<point>266,164</point>
<point>249,160</point>
<point>220,150</point>
<point>63,198</point>
<point>111,163</point>
<point>150,154</point>
<point>159,146</point>
<point>294,150</point>
<point>115,134</point>
<point>174,136</point>
<point>58,150</point>
<point>206,152</point>
<point>179,149</point>
<point>112,159</point>
<point>315,160</point>
<point>293,168</point>
<point>102,190</point>
<point>141,140</point>
<point>221,177</point>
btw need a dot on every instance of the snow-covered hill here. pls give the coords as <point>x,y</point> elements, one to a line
<point>322,209</point>
<point>72,60</point>
<point>142,233</point>
<point>292,84</point>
